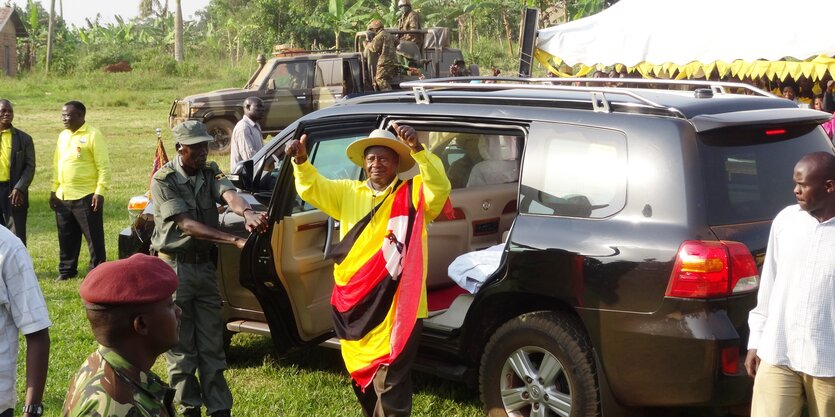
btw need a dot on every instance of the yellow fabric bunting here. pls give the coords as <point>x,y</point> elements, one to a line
<point>815,68</point>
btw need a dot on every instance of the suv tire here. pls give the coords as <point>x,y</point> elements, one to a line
<point>221,130</point>
<point>514,356</point>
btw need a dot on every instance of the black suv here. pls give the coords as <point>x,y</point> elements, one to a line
<point>630,225</point>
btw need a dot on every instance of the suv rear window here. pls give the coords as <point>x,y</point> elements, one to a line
<point>748,173</point>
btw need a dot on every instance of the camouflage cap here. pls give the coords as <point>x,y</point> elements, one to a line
<point>191,132</point>
<point>402,3</point>
<point>375,24</point>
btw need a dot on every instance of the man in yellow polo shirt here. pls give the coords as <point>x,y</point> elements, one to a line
<point>17,168</point>
<point>80,177</point>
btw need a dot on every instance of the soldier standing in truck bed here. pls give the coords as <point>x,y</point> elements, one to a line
<point>409,20</point>
<point>384,45</point>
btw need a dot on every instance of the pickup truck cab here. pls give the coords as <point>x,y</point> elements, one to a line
<point>296,82</point>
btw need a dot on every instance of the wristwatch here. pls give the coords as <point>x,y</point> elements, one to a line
<point>33,409</point>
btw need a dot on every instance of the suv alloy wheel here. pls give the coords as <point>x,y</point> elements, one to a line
<point>539,364</point>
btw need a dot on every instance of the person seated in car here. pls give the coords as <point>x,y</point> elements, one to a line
<point>500,164</point>
<point>459,171</point>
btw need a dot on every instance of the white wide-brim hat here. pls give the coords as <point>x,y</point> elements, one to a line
<point>380,137</point>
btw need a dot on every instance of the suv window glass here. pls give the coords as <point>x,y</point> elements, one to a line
<point>292,74</point>
<point>574,171</point>
<point>329,159</point>
<point>749,176</point>
<point>474,159</point>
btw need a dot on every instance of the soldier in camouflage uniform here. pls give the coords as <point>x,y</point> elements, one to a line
<point>185,192</point>
<point>134,319</point>
<point>409,20</point>
<point>384,45</point>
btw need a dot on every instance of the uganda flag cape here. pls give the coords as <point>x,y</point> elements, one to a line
<point>379,283</point>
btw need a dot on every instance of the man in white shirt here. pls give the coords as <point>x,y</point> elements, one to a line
<point>791,349</point>
<point>246,137</point>
<point>22,310</point>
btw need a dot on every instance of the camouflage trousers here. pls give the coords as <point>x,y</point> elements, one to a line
<point>384,76</point>
<point>199,353</point>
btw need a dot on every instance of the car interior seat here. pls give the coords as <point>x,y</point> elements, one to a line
<point>500,164</point>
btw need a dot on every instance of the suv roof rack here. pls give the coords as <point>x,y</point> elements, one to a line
<point>599,90</point>
<point>599,100</point>
<point>718,87</point>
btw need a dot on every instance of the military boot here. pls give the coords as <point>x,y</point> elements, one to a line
<point>190,412</point>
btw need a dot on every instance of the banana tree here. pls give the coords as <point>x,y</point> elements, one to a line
<point>340,20</point>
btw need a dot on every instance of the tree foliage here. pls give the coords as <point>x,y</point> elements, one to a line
<point>236,29</point>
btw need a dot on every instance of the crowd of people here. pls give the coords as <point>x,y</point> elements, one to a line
<point>168,304</point>
<point>126,300</point>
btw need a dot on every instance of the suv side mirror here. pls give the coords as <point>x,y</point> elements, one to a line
<point>242,175</point>
<point>271,85</point>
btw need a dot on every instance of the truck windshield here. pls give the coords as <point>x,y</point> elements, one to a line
<point>261,79</point>
<point>748,173</point>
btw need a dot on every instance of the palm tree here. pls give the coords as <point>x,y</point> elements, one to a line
<point>49,33</point>
<point>157,8</point>
<point>178,32</point>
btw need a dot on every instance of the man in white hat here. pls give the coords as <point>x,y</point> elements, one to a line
<point>379,299</point>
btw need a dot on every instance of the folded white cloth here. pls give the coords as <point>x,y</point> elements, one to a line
<point>471,269</point>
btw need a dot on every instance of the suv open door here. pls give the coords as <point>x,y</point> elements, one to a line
<point>286,267</point>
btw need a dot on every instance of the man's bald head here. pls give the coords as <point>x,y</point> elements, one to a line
<point>814,189</point>
<point>254,108</point>
<point>6,114</point>
<point>820,165</point>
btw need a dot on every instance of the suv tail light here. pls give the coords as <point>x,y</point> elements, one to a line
<point>707,269</point>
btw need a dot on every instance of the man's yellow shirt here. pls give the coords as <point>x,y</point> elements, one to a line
<point>5,155</point>
<point>80,165</point>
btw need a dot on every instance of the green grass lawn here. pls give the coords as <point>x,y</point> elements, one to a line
<point>127,108</point>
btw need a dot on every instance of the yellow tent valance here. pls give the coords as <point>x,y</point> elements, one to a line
<point>815,69</point>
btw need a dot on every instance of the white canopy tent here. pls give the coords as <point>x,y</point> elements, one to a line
<point>738,37</point>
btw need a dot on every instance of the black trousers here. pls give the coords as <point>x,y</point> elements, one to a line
<point>14,218</point>
<point>390,393</point>
<point>7,413</point>
<point>76,218</point>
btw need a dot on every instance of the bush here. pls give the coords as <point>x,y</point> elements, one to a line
<point>151,60</point>
<point>96,60</point>
<point>489,53</point>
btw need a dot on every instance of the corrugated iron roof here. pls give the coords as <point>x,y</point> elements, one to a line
<point>8,14</point>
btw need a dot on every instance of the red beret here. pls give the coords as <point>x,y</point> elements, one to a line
<point>140,279</point>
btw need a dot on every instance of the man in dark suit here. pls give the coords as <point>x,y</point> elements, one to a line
<point>17,168</point>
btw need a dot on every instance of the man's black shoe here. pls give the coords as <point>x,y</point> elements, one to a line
<point>191,412</point>
<point>222,413</point>
<point>63,277</point>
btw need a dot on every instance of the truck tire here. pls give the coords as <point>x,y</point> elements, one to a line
<point>221,130</point>
<point>539,364</point>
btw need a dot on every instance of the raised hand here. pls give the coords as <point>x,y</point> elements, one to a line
<point>408,135</point>
<point>297,149</point>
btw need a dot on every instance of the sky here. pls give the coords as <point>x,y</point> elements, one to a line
<point>75,11</point>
